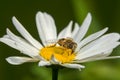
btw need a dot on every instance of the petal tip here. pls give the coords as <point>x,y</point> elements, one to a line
<point>13,18</point>
<point>9,60</point>
<point>106,29</point>
<point>39,13</point>
<point>89,15</point>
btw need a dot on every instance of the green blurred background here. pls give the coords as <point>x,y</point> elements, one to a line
<point>105,13</point>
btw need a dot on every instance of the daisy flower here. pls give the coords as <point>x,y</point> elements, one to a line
<point>69,48</point>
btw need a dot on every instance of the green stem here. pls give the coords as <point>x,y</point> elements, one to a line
<point>54,73</point>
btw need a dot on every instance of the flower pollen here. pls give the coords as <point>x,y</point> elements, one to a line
<point>62,54</point>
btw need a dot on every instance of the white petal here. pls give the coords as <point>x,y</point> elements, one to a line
<point>9,42</point>
<point>91,38</point>
<point>102,55</point>
<point>74,32</point>
<point>25,33</point>
<point>106,39</point>
<point>104,58</point>
<point>23,42</point>
<point>46,27</point>
<point>19,44</point>
<point>84,27</point>
<point>44,63</point>
<point>20,40</point>
<point>97,50</point>
<point>20,47</point>
<point>95,59</point>
<point>19,60</point>
<point>66,32</point>
<point>75,66</point>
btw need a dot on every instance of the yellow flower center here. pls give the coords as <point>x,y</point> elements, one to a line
<point>62,54</point>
